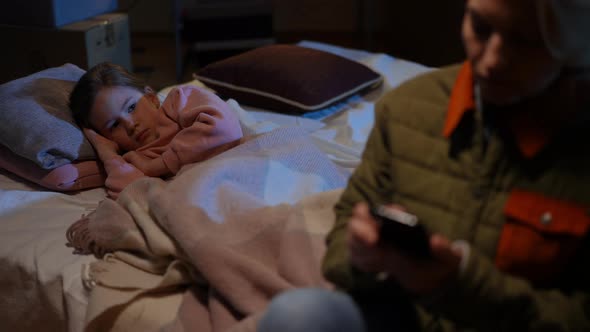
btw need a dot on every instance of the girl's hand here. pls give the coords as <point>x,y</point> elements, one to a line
<point>105,148</point>
<point>150,167</point>
<point>420,277</point>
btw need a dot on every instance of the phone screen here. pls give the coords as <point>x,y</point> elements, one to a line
<point>402,231</point>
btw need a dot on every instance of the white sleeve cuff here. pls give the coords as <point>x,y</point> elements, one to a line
<point>465,249</point>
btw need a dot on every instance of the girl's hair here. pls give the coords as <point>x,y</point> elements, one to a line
<point>96,78</point>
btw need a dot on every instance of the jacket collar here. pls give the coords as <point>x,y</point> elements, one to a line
<point>531,133</point>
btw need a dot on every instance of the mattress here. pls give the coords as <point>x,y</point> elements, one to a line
<point>42,281</point>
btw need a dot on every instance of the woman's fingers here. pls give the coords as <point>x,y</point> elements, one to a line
<point>363,236</point>
<point>416,275</point>
<point>364,231</point>
<point>443,251</point>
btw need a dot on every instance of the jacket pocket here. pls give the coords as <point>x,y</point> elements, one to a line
<point>540,235</point>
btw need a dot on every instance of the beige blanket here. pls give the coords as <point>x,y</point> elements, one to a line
<point>208,250</point>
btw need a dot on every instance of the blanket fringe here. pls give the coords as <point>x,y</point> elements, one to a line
<point>80,238</point>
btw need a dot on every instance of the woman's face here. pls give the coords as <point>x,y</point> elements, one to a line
<point>504,43</point>
<point>126,116</point>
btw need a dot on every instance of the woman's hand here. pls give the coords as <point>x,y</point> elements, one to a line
<point>105,148</point>
<point>420,277</point>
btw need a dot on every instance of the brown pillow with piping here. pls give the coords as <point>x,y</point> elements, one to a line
<point>288,78</point>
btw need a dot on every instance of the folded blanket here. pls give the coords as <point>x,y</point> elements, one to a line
<point>209,249</point>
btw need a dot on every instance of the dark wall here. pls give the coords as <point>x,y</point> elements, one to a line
<point>425,31</point>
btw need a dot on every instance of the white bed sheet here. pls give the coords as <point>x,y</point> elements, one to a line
<point>40,279</point>
<point>41,282</point>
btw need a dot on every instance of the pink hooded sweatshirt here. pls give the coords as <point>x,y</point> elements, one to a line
<point>194,125</point>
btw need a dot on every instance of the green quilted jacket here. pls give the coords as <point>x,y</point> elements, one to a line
<point>526,219</point>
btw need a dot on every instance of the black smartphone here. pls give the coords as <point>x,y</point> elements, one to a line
<point>402,231</point>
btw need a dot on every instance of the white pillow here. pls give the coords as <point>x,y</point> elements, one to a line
<point>36,122</point>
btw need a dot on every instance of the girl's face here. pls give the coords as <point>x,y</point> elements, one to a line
<point>126,116</point>
<point>504,43</point>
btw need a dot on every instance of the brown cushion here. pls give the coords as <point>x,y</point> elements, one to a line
<point>288,78</point>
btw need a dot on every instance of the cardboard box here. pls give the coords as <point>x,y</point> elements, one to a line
<point>85,44</point>
<point>52,13</point>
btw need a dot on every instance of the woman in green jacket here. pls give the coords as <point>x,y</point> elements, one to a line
<point>492,157</point>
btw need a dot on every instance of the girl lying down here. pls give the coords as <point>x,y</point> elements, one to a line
<point>136,136</point>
